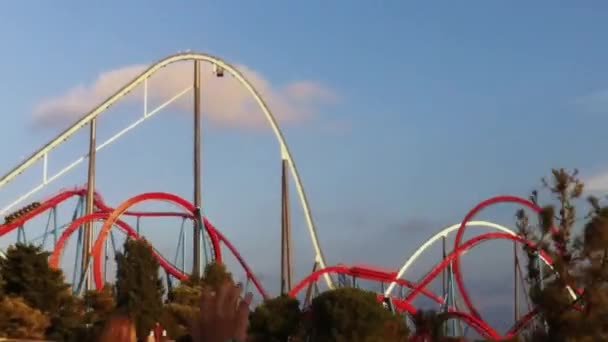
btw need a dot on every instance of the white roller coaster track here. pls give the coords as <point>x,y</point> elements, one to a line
<point>43,152</point>
<point>444,233</point>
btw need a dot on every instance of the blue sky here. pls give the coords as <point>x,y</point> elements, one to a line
<point>436,107</point>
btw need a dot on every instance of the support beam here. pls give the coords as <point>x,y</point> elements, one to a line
<point>88,226</point>
<point>443,272</point>
<point>286,250</point>
<point>196,237</point>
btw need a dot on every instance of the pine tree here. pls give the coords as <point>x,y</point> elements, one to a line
<point>578,262</point>
<point>27,274</point>
<point>139,289</point>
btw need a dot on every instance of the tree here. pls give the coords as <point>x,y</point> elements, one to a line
<point>27,274</point>
<point>19,320</point>
<point>349,314</point>
<point>100,305</point>
<point>183,307</point>
<point>428,324</point>
<point>139,288</point>
<point>215,275</point>
<point>577,263</point>
<point>275,320</point>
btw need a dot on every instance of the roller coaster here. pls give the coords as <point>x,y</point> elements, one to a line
<point>90,267</point>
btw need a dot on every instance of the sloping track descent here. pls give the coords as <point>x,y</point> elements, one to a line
<point>43,153</point>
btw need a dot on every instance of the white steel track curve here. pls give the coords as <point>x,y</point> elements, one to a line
<point>285,153</point>
<point>444,233</point>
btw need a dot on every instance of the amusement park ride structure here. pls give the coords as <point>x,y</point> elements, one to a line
<point>91,261</point>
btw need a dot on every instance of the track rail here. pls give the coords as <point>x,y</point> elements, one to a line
<point>103,214</point>
<point>43,152</point>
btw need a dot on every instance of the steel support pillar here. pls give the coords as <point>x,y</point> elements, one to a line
<point>196,238</point>
<point>443,272</point>
<point>450,301</point>
<point>311,286</point>
<point>515,284</point>
<point>90,199</point>
<point>286,250</point>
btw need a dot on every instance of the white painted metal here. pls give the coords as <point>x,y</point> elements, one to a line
<point>444,233</point>
<point>142,78</point>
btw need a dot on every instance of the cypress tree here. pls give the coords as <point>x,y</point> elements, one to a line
<point>139,288</point>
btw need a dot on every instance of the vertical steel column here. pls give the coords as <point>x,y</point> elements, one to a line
<point>196,238</point>
<point>450,301</point>
<point>309,289</point>
<point>88,226</point>
<point>286,253</point>
<point>444,287</point>
<point>56,230</point>
<point>515,284</point>
<point>443,255</point>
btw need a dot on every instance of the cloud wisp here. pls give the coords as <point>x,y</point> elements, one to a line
<point>595,102</point>
<point>225,101</point>
<point>597,183</point>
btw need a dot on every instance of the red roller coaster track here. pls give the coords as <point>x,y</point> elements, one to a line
<point>104,210</point>
<point>111,218</point>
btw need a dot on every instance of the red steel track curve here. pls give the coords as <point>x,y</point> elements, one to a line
<point>362,273</point>
<point>112,215</point>
<point>460,233</point>
<point>214,235</point>
<point>68,194</point>
<point>401,305</point>
<point>450,258</point>
<point>145,197</point>
<point>217,236</point>
<point>125,227</point>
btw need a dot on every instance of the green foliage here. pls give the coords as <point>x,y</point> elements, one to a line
<point>27,274</point>
<point>139,289</point>
<point>100,306</point>
<point>215,275</point>
<point>578,262</point>
<point>183,306</point>
<point>429,323</point>
<point>19,320</point>
<point>349,314</point>
<point>275,320</point>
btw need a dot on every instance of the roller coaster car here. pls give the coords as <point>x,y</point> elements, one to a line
<point>10,218</point>
<point>218,70</point>
<point>32,206</point>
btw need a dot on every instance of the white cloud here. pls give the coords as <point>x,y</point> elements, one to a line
<point>224,100</point>
<point>597,183</point>
<point>596,101</point>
